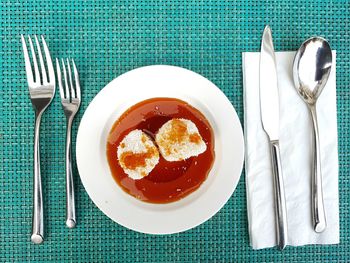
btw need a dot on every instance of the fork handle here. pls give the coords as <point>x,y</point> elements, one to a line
<point>38,213</point>
<point>70,196</point>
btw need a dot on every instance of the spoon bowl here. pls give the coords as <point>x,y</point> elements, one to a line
<point>311,68</point>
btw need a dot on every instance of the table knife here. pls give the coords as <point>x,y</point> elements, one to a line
<point>269,107</point>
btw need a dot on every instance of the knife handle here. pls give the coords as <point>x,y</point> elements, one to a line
<point>280,200</point>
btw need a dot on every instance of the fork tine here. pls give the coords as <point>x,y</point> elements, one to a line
<point>35,62</point>
<point>43,70</point>
<point>65,80</point>
<point>72,92</point>
<point>28,66</point>
<point>49,62</point>
<point>77,83</point>
<point>59,77</point>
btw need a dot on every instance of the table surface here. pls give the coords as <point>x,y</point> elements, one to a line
<point>108,38</point>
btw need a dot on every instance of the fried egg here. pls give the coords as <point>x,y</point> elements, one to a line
<point>179,139</point>
<point>137,154</point>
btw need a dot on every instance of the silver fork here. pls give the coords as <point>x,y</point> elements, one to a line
<point>42,90</point>
<point>70,98</point>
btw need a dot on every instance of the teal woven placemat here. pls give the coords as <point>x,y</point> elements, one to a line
<point>109,38</point>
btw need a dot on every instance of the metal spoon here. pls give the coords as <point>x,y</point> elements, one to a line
<point>311,69</point>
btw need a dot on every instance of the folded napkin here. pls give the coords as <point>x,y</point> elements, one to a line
<point>296,156</point>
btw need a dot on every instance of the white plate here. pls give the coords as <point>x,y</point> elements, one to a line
<point>129,89</point>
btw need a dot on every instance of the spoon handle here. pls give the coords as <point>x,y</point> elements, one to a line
<point>318,212</point>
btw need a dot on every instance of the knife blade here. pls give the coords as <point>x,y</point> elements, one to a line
<point>269,108</point>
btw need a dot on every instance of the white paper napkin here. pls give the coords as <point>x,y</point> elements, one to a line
<point>296,154</point>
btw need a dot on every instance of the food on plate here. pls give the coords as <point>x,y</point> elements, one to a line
<point>161,181</point>
<point>137,154</point>
<point>179,139</point>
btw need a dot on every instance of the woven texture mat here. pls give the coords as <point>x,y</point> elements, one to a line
<point>107,39</point>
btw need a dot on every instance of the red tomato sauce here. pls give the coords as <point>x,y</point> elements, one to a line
<point>168,181</point>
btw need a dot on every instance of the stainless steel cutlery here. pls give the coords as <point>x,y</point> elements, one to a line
<point>70,99</point>
<point>269,106</point>
<point>41,85</point>
<point>311,68</point>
